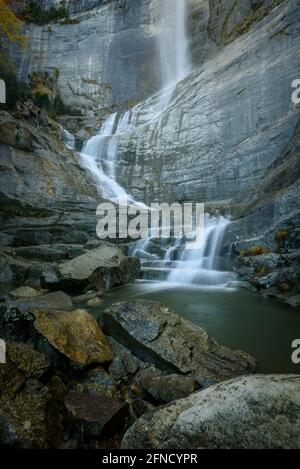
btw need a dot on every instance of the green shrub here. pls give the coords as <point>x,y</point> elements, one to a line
<point>36,14</point>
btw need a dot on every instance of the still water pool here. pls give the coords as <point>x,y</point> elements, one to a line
<point>237,318</point>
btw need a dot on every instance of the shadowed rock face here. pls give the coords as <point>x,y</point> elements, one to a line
<point>247,412</point>
<point>157,335</point>
<point>45,195</point>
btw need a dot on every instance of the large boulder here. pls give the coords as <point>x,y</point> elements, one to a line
<point>104,267</point>
<point>69,338</point>
<point>247,412</point>
<point>157,335</point>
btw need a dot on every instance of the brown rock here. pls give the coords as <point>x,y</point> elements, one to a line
<point>75,334</point>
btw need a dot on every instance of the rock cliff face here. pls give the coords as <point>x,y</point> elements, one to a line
<point>229,135</point>
<point>103,52</point>
<point>228,123</point>
<point>46,197</point>
<point>230,119</point>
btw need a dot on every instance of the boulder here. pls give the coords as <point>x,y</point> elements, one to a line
<point>104,267</point>
<point>166,388</point>
<point>25,292</point>
<point>75,334</point>
<point>29,412</point>
<point>70,338</point>
<point>157,335</point>
<point>249,412</point>
<point>95,414</point>
<point>50,301</point>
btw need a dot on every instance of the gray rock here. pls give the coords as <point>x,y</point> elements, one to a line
<point>157,335</point>
<point>124,365</point>
<point>194,152</point>
<point>123,31</point>
<point>50,301</point>
<point>248,412</point>
<point>165,388</point>
<point>104,267</point>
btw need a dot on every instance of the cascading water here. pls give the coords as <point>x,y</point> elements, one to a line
<point>178,264</point>
<point>99,155</point>
<point>173,47</point>
<point>204,266</point>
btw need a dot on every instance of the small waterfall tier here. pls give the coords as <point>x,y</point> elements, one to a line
<point>177,263</point>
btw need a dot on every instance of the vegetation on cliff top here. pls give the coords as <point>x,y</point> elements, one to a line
<point>34,13</point>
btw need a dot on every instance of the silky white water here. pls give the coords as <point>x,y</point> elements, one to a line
<point>173,47</point>
<point>100,153</point>
<point>203,266</point>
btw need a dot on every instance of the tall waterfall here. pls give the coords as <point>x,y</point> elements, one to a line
<point>173,46</point>
<point>177,264</point>
<point>100,153</point>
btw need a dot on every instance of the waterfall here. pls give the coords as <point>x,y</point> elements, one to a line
<point>99,156</point>
<point>179,264</point>
<point>173,47</point>
<point>100,153</point>
<point>204,266</point>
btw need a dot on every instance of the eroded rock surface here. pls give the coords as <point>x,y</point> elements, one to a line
<point>247,412</point>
